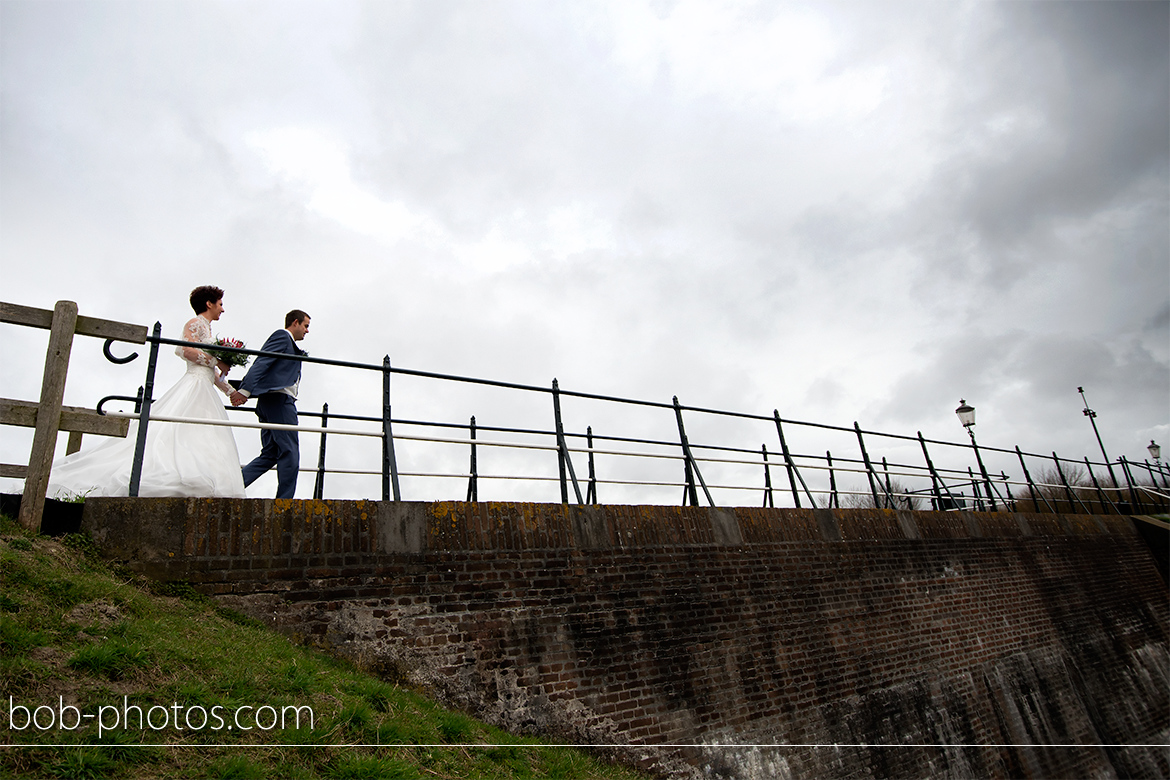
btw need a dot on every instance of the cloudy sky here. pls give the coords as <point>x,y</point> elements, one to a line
<point>846,211</point>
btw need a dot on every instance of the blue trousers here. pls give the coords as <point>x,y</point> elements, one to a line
<point>277,448</point>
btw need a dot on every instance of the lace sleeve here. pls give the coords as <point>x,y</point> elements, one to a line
<point>196,329</point>
<point>222,383</point>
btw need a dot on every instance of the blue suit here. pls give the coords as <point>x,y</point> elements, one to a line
<point>265,381</point>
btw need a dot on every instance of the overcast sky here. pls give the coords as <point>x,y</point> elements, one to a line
<point>846,211</point>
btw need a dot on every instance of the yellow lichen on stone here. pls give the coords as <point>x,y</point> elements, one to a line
<point>442,509</point>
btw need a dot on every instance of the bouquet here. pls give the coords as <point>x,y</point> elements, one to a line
<point>231,358</point>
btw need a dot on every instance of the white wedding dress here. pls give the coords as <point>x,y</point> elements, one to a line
<point>181,459</point>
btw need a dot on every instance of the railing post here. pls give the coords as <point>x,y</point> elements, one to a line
<point>983,471</point>
<point>1072,507</point>
<point>591,490</point>
<point>889,489</point>
<point>691,466</point>
<point>44,445</point>
<point>319,485</point>
<point>935,479</point>
<point>975,490</point>
<point>389,461</point>
<point>1008,486</point>
<point>473,480</point>
<point>690,493</point>
<point>791,464</point>
<point>1162,474</point>
<point>1150,471</point>
<point>767,478</point>
<point>1100,493</point>
<point>563,458</point>
<point>144,413</point>
<point>1032,485</point>
<point>868,466</point>
<point>1138,505</point>
<point>1073,498</point>
<point>788,464</point>
<point>556,394</point>
<point>834,499</point>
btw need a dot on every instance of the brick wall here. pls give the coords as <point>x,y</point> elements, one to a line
<point>757,642</point>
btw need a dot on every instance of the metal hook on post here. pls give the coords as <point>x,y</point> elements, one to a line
<point>110,356</point>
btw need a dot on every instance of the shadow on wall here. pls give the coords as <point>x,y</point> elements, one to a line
<point>58,519</point>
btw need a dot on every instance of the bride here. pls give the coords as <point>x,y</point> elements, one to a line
<point>181,459</point>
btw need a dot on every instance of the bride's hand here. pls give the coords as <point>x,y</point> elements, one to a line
<point>224,368</point>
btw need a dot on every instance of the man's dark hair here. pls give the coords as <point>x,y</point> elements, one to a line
<point>296,315</point>
<point>202,297</point>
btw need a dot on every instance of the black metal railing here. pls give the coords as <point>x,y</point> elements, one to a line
<point>811,478</point>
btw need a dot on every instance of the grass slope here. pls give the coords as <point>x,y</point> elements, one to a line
<point>76,634</point>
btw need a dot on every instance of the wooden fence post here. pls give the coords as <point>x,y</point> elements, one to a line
<point>40,461</point>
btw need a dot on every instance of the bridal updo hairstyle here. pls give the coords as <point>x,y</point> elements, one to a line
<point>202,297</point>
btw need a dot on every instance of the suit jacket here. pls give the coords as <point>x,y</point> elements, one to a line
<point>269,374</point>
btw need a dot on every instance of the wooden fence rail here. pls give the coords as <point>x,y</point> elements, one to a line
<point>49,416</point>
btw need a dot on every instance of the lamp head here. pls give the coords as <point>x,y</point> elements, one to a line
<point>966,414</point>
<point>1155,450</point>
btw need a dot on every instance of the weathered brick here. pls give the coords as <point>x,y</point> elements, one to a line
<point>906,625</point>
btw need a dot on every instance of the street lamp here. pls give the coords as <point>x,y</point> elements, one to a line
<point>1093,419</point>
<point>1156,454</point>
<point>966,415</point>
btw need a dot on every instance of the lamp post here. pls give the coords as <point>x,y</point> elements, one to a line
<point>966,415</point>
<point>1093,419</point>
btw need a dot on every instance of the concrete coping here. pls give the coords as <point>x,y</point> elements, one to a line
<point>160,528</point>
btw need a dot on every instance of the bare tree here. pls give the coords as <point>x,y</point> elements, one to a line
<point>862,498</point>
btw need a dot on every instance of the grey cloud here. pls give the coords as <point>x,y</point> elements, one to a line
<point>875,266</point>
<point>1027,384</point>
<point>1089,84</point>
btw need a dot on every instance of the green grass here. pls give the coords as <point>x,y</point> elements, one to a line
<point>76,633</point>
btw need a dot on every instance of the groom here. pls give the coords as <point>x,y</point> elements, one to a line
<point>274,382</point>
